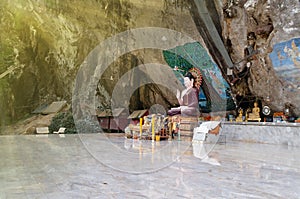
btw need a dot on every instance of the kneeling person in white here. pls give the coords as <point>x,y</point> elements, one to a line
<point>200,134</point>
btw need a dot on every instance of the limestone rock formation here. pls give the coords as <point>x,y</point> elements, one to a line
<point>256,28</point>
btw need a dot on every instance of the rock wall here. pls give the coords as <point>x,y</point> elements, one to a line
<point>255,27</point>
<point>43,44</point>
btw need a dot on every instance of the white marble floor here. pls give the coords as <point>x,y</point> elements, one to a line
<point>90,166</point>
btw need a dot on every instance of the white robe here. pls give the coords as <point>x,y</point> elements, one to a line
<point>199,137</point>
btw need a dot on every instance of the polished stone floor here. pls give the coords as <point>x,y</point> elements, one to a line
<point>93,166</point>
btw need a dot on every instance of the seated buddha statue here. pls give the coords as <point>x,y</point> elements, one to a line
<point>188,98</point>
<point>255,114</point>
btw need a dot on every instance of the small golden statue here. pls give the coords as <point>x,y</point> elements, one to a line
<point>240,116</point>
<point>255,116</point>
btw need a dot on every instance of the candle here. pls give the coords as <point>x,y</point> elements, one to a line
<point>153,128</point>
<point>141,127</point>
